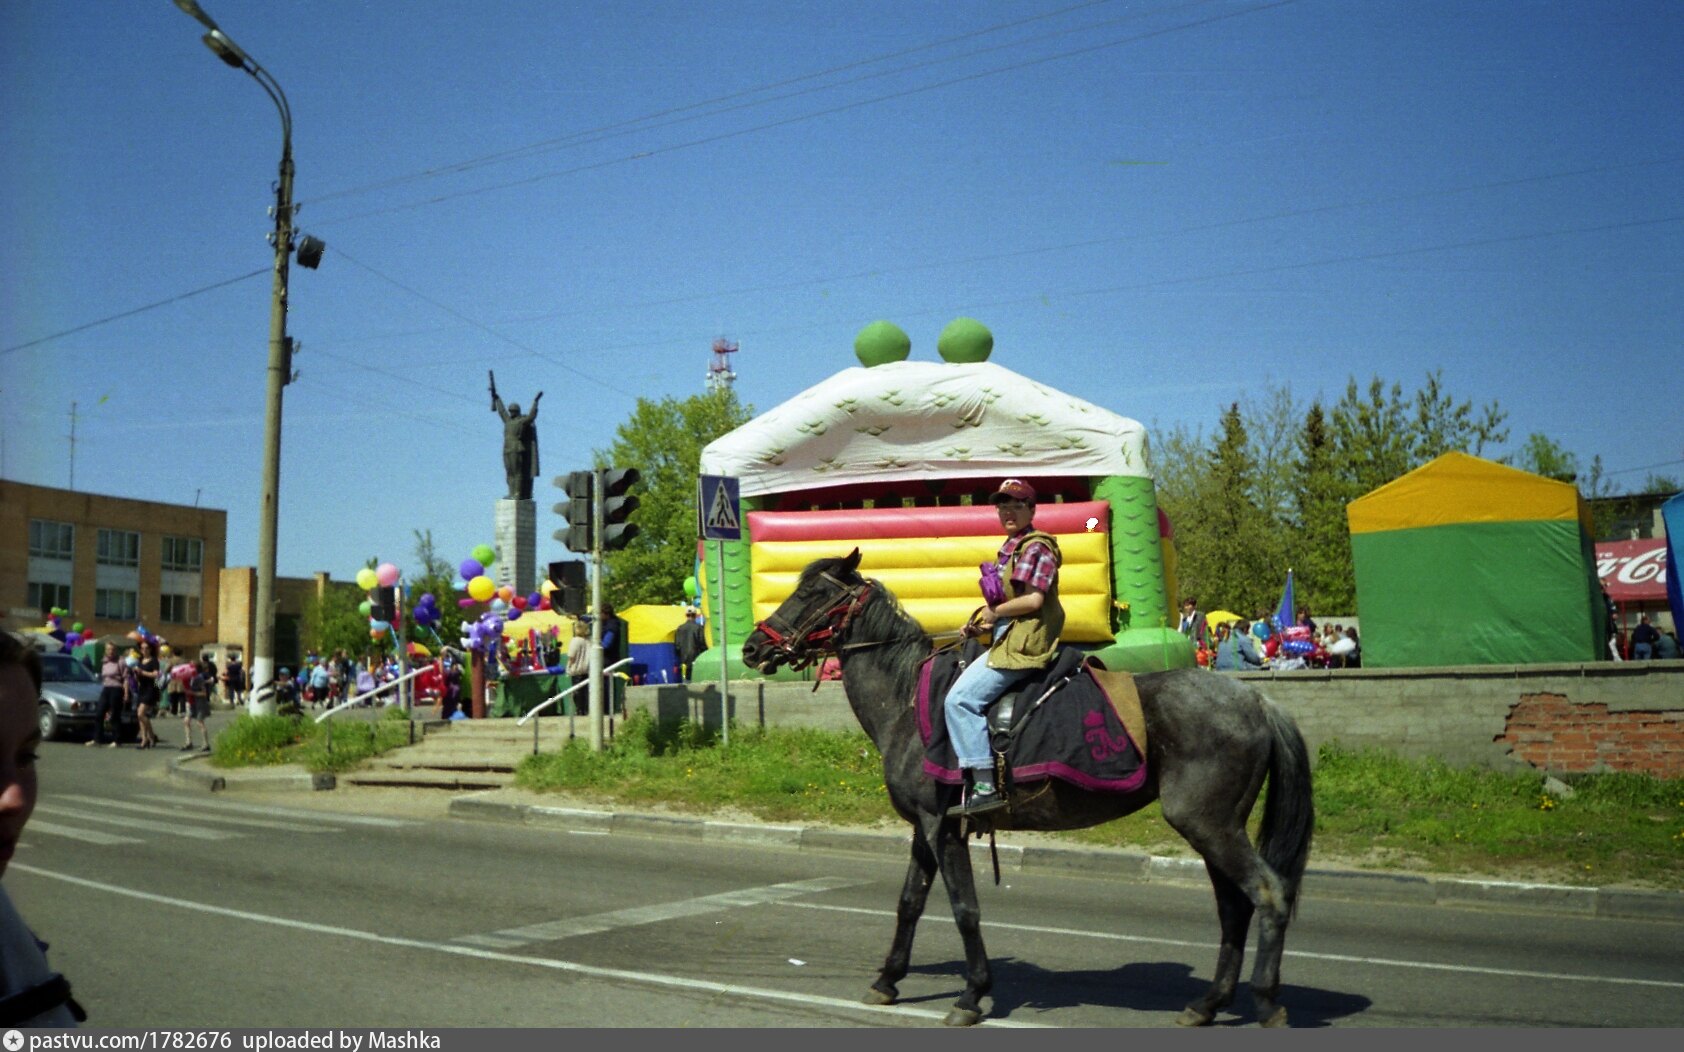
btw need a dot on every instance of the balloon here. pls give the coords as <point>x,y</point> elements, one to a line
<point>518,602</point>
<point>427,599</point>
<point>387,574</point>
<point>544,604</point>
<point>514,615</point>
<point>465,603</point>
<point>481,588</point>
<point>470,569</point>
<point>367,579</point>
<point>534,599</point>
<point>77,627</point>
<point>459,585</point>
<point>380,625</point>
<point>498,606</point>
<point>365,607</point>
<point>486,554</point>
<point>690,588</point>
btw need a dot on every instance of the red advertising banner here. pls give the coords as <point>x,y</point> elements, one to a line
<point>1633,571</point>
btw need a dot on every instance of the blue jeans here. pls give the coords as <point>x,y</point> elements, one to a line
<point>977,688</point>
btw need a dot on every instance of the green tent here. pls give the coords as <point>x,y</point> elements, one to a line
<point>1467,562</point>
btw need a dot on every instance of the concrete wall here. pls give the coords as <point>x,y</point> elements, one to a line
<point>1563,718</point>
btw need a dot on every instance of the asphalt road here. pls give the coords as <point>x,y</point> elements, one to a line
<point>169,906</point>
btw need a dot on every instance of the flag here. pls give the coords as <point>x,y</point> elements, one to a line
<point>1285,613</point>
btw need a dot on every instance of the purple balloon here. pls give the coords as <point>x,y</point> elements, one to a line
<point>470,569</point>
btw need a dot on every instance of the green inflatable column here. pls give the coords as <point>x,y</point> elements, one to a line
<point>732,581</point>
<point>1148,640</point>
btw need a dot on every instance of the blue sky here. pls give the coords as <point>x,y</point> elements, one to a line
<point>1160,207</point>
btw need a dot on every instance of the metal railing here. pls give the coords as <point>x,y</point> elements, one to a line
<point>548,702</point>
<point>357,699</point>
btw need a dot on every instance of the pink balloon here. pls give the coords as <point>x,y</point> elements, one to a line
<point>387,574</point>
<point>465,603</point>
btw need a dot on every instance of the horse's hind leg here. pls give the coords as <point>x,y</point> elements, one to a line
<point>1234,911</point>
<point>920,872</point>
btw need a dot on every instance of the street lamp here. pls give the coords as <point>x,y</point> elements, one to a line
<point>262,666</point>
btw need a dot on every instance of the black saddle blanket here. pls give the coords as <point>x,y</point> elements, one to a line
<point>1074,734</point>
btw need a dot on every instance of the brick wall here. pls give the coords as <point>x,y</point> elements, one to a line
<point>1553,733</point>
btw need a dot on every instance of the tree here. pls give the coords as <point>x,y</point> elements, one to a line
<point>664,440</point>
<point>1230,548</point>
<point>1541,455</point>
<point>1443,426</point>
<point>1320,546</point>
<point>332,620</point>
<point>435,577</point>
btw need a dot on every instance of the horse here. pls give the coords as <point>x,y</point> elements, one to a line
<point>1210,742</point>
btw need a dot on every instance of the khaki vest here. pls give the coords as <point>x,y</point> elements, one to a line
<point>1031,641</point>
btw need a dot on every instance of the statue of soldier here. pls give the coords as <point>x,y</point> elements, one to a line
<point>520,443</point>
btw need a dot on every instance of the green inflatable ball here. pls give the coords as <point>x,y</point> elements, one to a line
<point>882,341</point>
<point>965,340</point>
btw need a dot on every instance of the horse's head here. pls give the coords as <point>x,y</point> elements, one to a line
<point>812,620</point>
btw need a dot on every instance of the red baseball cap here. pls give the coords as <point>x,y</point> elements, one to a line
<point>1013,489</point>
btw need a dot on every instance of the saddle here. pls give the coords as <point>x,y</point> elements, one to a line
<point>1075,721</point>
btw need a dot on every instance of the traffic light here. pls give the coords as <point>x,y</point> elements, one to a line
<point>617,507</point>
<point>569,579</point>
<point>384,606</point>
<point>576,509</point>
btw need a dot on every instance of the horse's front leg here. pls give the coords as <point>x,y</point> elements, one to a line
<point>920,873</point>
<point>955,859</point>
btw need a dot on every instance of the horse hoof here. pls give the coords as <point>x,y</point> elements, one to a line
<point>962,1017</point>
<point>1274,1019</point>
<point>875,996</point>
<point>1191,1016</point>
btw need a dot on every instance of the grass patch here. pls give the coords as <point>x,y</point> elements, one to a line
<point>261,741</point>
<point>1373,809</point>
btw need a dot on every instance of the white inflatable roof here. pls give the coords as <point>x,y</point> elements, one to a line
<point>920,420</point>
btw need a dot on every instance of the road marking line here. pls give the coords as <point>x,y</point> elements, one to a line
<point>193,832</point>
<point>185,812</point>
<point>1307,954</point>
<point>90,836</point>
<point>567,927</point>
<point>675,982</point>
<point>283,812</point>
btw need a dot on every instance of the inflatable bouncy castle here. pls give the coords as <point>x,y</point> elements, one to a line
<point>897,458</point>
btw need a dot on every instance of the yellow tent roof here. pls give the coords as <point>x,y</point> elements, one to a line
<point>540,621</point>
<point>1456,488</point>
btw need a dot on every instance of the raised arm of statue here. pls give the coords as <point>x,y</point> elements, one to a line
<point>496,403</point>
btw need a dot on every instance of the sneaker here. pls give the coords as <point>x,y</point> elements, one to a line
<point>984,799</point>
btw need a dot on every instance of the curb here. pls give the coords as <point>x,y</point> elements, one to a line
<point>1115,863</point>
<point>188,769</point>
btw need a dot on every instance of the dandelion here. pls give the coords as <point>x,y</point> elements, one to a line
<point>1546,804</point>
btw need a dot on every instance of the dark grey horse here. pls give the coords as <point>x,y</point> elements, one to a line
<point>1210,742</point>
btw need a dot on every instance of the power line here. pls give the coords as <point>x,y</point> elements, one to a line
<point>453,312</point>
<point>800,118</point>
<point>575,138</point>
<point>129,313</point>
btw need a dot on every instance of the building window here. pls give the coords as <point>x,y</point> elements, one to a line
<point>179,609</point>
<point>51,540</point>
<point>116,603</point>
<point>44,596</point>
<point>184,553</point>
<point>119,548</point>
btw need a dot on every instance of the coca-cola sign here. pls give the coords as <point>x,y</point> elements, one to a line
<point>1633,570</point>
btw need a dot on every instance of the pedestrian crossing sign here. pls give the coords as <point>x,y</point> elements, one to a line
<point>720,510</point>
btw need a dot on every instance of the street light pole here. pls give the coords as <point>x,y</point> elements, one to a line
<point>261,698</point>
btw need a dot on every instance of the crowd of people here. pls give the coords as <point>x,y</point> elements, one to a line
<point>1263,642</point>
<point>152,682</point>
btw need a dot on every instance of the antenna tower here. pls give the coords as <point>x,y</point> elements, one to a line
<point>720,375</point>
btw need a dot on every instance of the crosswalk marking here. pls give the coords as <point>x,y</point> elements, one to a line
<point>567,927</point>
<point>197,816</point>
<point>282,812</point>
<point>90,836</point>
<point>172,828</point>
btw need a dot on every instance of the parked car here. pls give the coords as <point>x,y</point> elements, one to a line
<point>70,698</point>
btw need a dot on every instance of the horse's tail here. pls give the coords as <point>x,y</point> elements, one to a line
<point>1289,813</point>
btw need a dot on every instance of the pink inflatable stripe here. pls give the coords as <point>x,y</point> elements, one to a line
<point>912,523</point>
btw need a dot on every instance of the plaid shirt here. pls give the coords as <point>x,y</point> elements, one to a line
<point>1036,568</point>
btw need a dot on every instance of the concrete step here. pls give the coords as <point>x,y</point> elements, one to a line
<point>455,763</point>
<point>428,779</point>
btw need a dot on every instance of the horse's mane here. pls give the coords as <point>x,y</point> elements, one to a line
<point>882,618</point>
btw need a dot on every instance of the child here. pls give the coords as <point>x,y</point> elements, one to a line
<point>198,705</point>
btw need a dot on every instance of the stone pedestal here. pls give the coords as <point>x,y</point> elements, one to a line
<point>517,545</point>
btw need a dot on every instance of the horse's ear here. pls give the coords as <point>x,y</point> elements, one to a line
<point>852,562</point>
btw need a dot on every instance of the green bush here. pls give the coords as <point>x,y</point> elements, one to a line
<point>253,741</point>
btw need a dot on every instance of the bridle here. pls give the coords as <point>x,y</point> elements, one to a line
<point>821,631</point>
